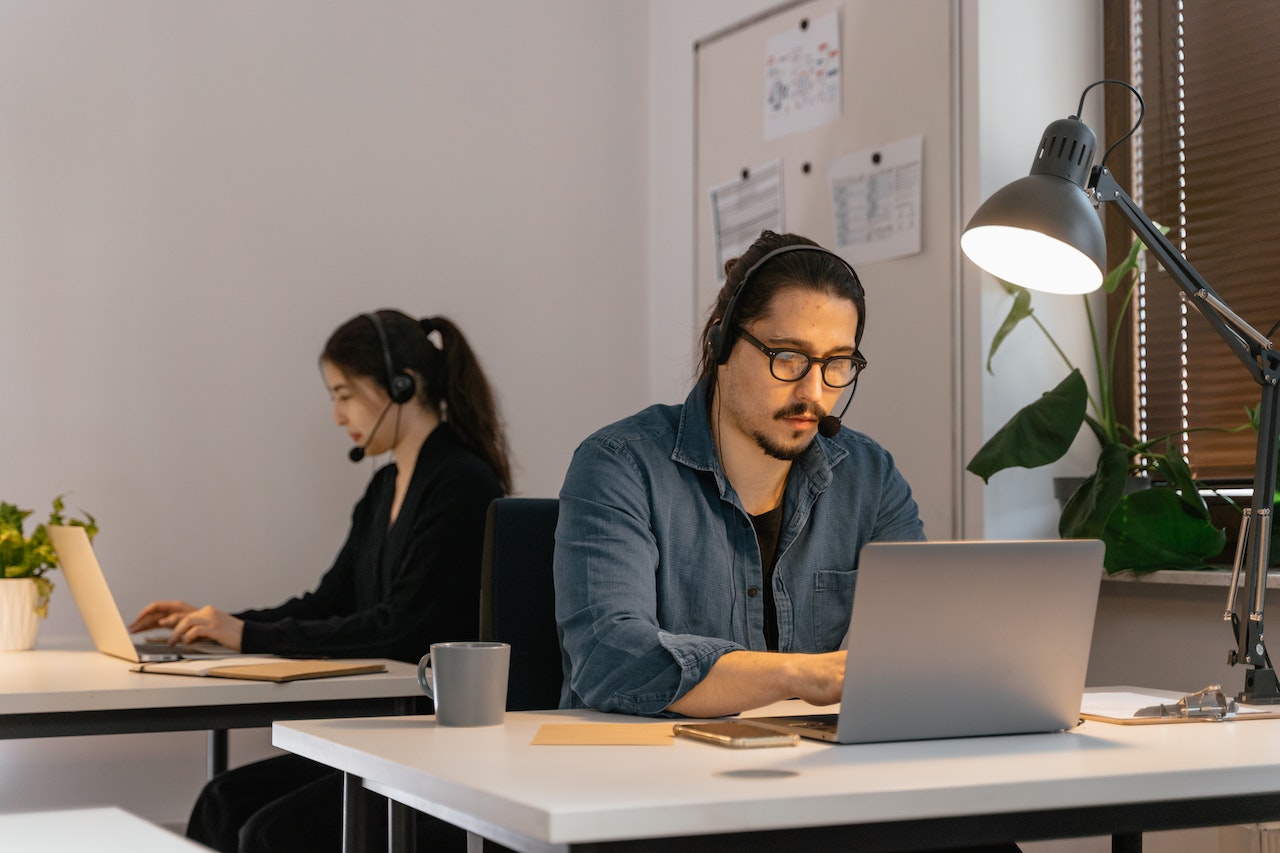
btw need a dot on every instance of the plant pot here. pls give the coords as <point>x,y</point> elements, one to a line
<point>19,622</point>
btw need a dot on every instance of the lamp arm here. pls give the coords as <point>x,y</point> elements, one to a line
<point>1245,341</point>
<point>1259,356</point>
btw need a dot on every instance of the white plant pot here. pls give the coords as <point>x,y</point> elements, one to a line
<point>19,622</point>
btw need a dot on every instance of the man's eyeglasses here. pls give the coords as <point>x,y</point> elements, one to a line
<point>791,365</point>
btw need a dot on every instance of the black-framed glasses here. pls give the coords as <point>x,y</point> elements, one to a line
<point>789,365</point>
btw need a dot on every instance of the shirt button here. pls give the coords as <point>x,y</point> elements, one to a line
<point>753,591</point>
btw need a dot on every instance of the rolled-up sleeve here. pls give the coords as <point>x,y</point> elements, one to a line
<point>607,597</point>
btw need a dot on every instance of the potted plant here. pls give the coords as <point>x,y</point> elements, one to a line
<point>1148,529</point>
<point>25,562</point>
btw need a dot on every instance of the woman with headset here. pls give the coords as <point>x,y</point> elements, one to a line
<point>408,574</point>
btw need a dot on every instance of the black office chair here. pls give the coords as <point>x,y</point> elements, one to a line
<point>517,597</point>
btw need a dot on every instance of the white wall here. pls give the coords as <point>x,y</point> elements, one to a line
<point>1031,62</point>
<point>193,195</point>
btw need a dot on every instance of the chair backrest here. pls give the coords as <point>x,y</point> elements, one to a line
<point>517,597</point>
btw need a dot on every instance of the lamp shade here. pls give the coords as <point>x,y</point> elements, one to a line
<point>1041,231</point>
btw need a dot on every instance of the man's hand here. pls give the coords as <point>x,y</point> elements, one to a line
<point>740,681</point>
<point>818,679</point>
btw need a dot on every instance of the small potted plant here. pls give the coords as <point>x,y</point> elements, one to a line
<point>1144,530</point>
<point>25,562</point>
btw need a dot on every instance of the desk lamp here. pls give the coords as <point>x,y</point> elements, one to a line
<point>1043,232</point>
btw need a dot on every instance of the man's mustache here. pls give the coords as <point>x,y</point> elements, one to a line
<point>798,410</point>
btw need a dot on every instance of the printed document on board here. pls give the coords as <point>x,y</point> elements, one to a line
<point>875,200</point>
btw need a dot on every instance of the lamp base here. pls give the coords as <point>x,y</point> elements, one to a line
<point>1260,688</point>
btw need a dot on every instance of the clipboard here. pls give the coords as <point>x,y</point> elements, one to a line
<point>1135,707</point>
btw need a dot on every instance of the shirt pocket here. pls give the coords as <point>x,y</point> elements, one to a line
<point>832,604</point>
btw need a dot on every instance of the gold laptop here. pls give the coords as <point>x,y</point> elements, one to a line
<point>97,606</point>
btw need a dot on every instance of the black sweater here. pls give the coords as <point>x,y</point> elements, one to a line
<point>391,593</point>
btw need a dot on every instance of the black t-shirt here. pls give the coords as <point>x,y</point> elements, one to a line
<point>768,525</point>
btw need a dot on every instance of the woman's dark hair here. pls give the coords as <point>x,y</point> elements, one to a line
<point>450,379</point>
<point>822,271</point>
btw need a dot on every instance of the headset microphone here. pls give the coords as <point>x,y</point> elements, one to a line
<point>356,454</point>
<point>830,425</point>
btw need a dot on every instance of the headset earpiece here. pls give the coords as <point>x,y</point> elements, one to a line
<point>400,383</point>
<point>402,388</point>
<point>716,343</point>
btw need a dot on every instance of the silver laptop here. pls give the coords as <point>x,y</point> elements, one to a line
<point>959,639</point>
<point>97,606</point>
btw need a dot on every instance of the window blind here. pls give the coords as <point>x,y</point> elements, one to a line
<point>1204,164</point>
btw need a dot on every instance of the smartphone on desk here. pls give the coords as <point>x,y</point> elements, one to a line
<point>739,734</point>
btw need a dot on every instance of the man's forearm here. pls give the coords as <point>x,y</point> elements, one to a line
<point>741,680</point>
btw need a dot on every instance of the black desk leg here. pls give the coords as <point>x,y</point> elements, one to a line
<point>1126,842</point>
<point>402,828</point>
<point>359,816</point>
<point>217,752</point>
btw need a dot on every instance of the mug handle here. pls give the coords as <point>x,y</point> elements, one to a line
<point>424,681</point>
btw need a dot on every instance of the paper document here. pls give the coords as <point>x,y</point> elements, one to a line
<point>262,668</point>
<point>876,201</point>
<point>742,208</point>
<point>604,734</point>
<point>802,78</point>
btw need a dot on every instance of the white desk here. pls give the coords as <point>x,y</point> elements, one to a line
<point>105,830</point>
<point>1098,779</point>
<point>55,693</point>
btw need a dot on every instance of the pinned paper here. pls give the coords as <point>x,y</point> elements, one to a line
<point>742,208</point>
<point>876,201</point>
<point>802,77</point>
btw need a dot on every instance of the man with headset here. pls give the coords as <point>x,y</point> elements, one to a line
<point>695,541</point>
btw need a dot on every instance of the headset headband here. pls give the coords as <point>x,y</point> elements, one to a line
<point>400,385</point>
<point>722,334</point>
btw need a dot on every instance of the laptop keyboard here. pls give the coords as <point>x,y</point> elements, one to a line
<point>185,649</point>
<point>812,722</point>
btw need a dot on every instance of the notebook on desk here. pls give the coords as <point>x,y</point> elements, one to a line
<point>959,639</point>
<point>97,606</point>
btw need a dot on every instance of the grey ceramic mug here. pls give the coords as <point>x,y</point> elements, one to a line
<point>467,681</point>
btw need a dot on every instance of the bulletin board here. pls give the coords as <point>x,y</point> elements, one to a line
<point>898,70</point>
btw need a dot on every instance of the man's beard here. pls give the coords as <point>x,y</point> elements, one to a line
<point>791,452</point>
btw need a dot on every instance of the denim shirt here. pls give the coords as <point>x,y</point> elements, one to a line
<point>657,565</point>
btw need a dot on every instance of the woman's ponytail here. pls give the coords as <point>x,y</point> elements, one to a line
<point>465,399</point>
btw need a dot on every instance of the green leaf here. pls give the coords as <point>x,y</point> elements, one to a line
<point>1124,268</point>
<point>1174,469</point>
<point>1129,264</point>
<point>1153,529</point>
<point>1086,513</point>
<point>1037,434</point>
<point>23,557</point>
<point>1099,431</point>
<point>44,588</point>
<point>1020,311</point>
